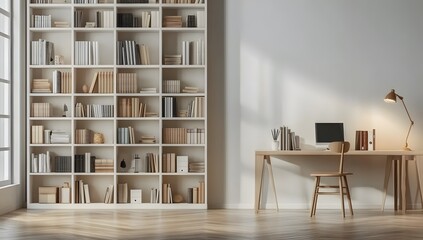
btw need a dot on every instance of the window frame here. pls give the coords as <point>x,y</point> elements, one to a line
<point>8,13</point>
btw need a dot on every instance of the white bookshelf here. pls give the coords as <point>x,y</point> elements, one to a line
<point>161,41</point>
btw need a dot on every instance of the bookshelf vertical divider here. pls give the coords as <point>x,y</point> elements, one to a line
<point>116,104</point>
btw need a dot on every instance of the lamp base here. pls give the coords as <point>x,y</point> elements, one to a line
<point>406,149</point>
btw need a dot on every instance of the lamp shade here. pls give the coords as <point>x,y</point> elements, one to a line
<point>391,97</point>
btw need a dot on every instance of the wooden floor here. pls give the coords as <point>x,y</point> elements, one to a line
<point>210,224</point>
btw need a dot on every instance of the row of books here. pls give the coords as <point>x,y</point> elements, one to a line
<point>84,163</point>
<point>196,107</point>
<point>171,86</point>
<point>132,108</point>
<point>85,1</point>
<point>183,1</point>
<point>42,52</point>
<point>41,21</point>
<point>183,136</point>
<point>150,164</point>
<point>83,136</point>
<point>40,110</point>
<point>126,135</point>
<point>137,1</point>
<point>127,83</point>
<point>86,53</point>
<point>169,108</point>
<point>103,19</point>
<point>289,140</point>
<point>193,52</point>
<point>131,53</point>
<point>94,110</point>
<point>147,19</point>
<point>42,163</point>
<point>82,192</point>
<point>37,134</point>
<point>197,194</point>
<point>173,163</point>
<point>102,82</point>
<point>62,83</point>
<point>167,193</point>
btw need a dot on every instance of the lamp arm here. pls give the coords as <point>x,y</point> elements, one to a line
<point>409,117</point>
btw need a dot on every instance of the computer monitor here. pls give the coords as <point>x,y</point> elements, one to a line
<point>329,132</point>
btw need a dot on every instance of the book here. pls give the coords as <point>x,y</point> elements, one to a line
<point>87,193</point>
<point>93,83</point>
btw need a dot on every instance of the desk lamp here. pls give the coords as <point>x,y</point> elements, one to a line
<point>391,97</point>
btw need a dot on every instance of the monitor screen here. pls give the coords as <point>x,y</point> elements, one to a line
<point>329,132</point>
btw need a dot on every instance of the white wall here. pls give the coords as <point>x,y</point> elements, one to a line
<point>297,62</point>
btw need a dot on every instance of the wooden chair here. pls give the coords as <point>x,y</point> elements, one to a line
<point>342,187</point>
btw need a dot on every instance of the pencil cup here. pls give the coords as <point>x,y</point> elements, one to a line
<point>275,145</point>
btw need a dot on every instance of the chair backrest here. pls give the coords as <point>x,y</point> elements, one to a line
<point>341,148</point>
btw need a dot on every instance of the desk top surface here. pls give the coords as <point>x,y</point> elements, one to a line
<point>326,152</point>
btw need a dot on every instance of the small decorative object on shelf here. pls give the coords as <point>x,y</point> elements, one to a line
<point>85,88</point>
<point>65,110</point>
<point>98,138</point>
<point>275,136</point>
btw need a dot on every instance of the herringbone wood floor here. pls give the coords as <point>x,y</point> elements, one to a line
<point>210,224</point>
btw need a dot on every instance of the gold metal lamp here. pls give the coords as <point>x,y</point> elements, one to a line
<point>391,97</point>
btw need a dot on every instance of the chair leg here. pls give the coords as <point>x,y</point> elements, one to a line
<point>348,195</point>
<point>388,167</point>
<point>341,193</point>
<point>316,197</point>
<point>312,210</point>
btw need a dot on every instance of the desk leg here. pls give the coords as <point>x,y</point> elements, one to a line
<point>403,183</point>
<point>269,168</point>
<point>419,182</point>
<point>388,167</point>
<point>258,181</point>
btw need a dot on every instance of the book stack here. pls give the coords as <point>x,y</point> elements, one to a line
<point>83,136</point>
<point>126,135</point>
<point>127,83</point>
<point>42,52</point>
<point>172,21</point>
<point>137,1</point>
<point>61,24</point>
<point>103,165</point>
<point>169,107</point>
<point>171,86</point>
<point>85,1</point>
<point>37,134</point>
<point>148,139</point>
<point>183,1</point>
<point>40,110</point>
<point>41,86</point>
<point>59,137</point>
<point>131,108</point>
<point>173,59</point>
<point>148,90</point>
<point>196,167</point>
<point>188,89</point>
<point>41,21</point>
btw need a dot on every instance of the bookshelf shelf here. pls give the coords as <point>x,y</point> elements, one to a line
<point>85,60</point>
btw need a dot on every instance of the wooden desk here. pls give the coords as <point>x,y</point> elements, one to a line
<point>264,157</point>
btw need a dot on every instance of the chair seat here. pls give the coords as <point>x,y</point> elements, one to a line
<point>330,174</point>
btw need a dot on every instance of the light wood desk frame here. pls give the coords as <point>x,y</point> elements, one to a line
<point>263,157</point>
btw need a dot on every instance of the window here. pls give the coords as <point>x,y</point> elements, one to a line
<point>5,92</point>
